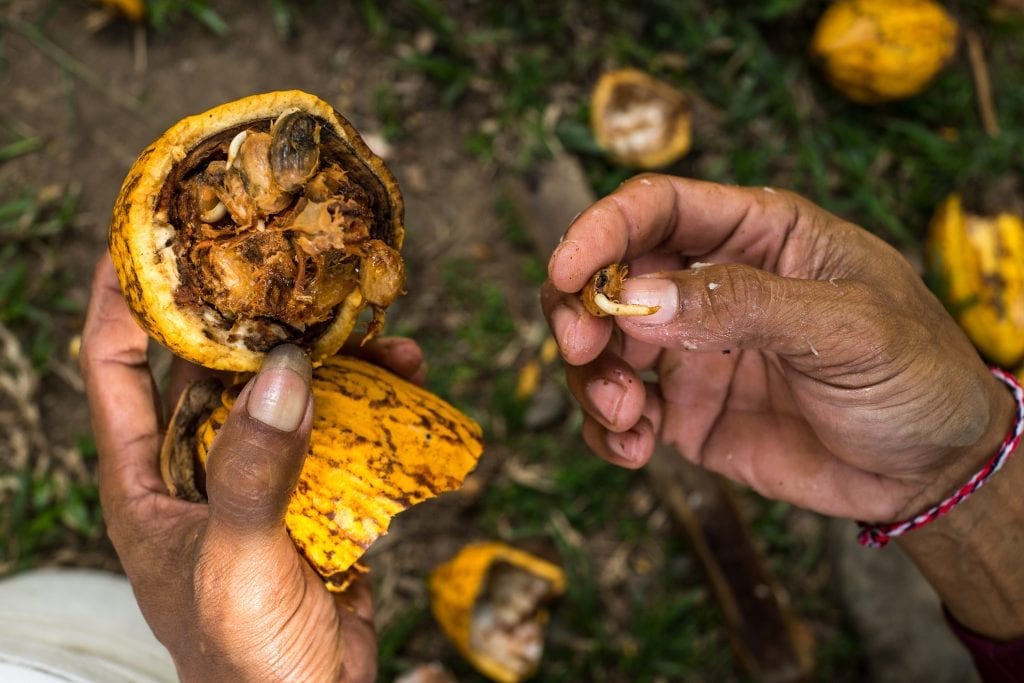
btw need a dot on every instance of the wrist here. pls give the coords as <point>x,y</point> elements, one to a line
<point>971,555</point>
<point>962,463</point>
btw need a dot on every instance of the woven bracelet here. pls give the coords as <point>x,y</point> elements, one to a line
<point>878,535</point>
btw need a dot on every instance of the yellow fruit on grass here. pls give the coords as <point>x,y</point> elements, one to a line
<point>877,51</point>
<point>491,602</point>
<point>133,10</point>
<point>639,120</point>
<point>978,262</point>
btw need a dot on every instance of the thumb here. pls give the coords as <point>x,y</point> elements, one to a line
<point>734,306</point>
<point>255,460</point>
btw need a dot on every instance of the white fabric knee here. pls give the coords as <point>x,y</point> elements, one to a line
<point>76,625</point>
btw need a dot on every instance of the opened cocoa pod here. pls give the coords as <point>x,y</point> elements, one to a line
<point>639,120</point>
<point>379,445</point>
<point>261,221</point>
<point>976,262</point>
<point>264,221</point>
<point>491,601</point>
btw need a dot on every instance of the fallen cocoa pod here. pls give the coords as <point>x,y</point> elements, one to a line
<point>491,601</point>
<point>639,120</point>
<point>977,263</point>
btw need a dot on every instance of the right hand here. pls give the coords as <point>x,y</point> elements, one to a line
<point>808,360</point>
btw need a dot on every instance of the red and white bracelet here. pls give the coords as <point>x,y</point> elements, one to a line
<point>878,535</point>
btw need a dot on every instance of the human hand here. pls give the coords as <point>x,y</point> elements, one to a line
<point>221,585</point>
<point>793,352</point>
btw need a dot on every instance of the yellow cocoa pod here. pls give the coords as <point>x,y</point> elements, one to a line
<point>639,120</point>
<point>379,445</point>
<point>877,51</point>
<point>133,10</point>
<point>491,602</point>
<point>978,263</point>
<point>261,221</point>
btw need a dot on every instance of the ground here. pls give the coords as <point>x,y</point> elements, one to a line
<point>83,95</point>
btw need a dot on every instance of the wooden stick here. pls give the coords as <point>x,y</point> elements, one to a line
<point>764,633</point>
<point>982,83</point>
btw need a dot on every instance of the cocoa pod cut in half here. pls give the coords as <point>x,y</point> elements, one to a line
<point>261,221</point>
<point>379,445</point>
<point>639,120</point>
<point>265,221</point>
<point>491,601</point>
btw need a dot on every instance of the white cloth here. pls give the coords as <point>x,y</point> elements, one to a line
<point>77,625</point>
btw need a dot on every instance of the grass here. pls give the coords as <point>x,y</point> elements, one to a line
<point>49,503</point>
<point>163,14</point>
<point>50,514</point>
<point>33,284</point>
<point>772,118</point>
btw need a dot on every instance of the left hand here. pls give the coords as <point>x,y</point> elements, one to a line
<point>222,585</point>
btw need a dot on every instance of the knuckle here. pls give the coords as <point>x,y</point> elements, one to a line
<point>736,298</point>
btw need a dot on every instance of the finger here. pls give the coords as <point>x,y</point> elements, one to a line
<point>256,458</point>
<point>355,612</point>
<point>695,387</point>
<point>400,355</point>
<point>630,449</point>
<point>687,217</point>
<point>580,336</point>
<point>182,374</point>
<point>812,323</point>
<point>120,391</point>
<point>609,390</point>
<point>637,354</point>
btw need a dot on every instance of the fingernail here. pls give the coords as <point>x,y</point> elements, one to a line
<point>651,292</point>
<point>565,251</point>
<point>564,322</point>
<point>606,397</point>
<point>622,445</point>
<point>280,393</point>
<point>627,445</point>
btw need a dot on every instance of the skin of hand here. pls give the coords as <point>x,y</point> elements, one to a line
<point>221,585</point>
<point>793,352</point>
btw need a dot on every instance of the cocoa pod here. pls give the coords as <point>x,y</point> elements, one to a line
<point>491,601</point>
<point>379,445</point>
<point>875,51</point>
<point>978,265</point>
<point>261,221</point>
